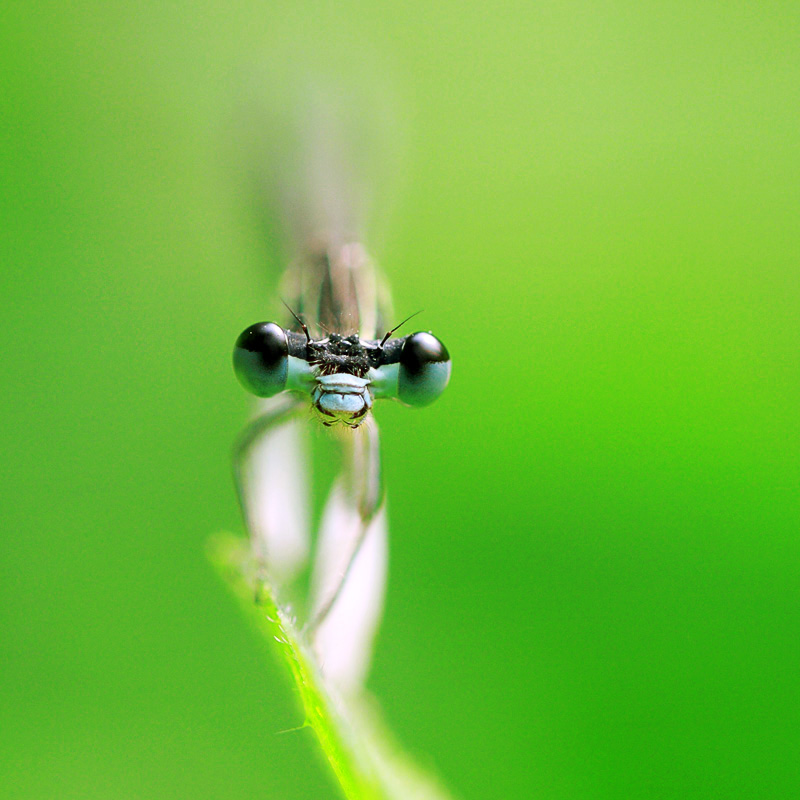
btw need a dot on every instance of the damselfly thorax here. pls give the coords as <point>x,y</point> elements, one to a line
<point>338,288</point>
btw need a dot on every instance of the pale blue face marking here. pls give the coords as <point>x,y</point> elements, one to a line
<point>384,380</point>
<point>342,396</point>
<point>301,375</point>
<point>348,404</point>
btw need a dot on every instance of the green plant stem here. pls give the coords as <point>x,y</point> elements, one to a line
<point>230,556</point>
<point>359,748</point>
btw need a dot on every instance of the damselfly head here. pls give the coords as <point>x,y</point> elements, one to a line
<point>341,374</point>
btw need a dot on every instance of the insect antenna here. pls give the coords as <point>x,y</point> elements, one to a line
<point>299,321</point>
<point>397,327</point>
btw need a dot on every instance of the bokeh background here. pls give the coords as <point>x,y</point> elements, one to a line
<point>595,578</point>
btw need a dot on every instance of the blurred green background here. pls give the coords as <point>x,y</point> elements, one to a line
<point>595,578</point>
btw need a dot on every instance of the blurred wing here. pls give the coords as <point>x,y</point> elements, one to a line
<point>278,501</point>
<point>323,154</point>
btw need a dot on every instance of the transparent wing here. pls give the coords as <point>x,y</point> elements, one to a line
<point>324,155</point>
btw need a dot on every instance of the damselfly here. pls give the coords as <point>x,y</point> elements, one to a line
<point>335,355</point>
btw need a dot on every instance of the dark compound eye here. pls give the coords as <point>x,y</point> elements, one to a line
<point>261,359</point>
<point>424,369</point>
